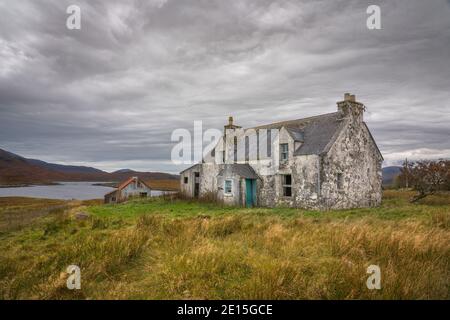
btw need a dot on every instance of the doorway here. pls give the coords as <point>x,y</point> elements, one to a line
<point>250,192</point>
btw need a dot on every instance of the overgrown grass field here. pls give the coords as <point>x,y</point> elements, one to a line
<point>174,249</point>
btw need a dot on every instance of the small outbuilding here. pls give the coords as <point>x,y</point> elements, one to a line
<point>132,187</point>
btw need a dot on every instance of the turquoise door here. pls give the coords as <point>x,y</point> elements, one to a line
<point>250,192</point>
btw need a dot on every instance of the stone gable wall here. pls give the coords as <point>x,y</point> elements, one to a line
<point>355,156</point>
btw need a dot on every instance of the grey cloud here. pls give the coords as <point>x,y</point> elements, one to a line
<point>110,94</point>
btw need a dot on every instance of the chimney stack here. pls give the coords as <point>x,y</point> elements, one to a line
<point>349,107</point>
<point>230,125</point>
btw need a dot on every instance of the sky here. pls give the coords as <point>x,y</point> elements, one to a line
<point>110,94</point>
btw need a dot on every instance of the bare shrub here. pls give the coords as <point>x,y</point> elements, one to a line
<point>426,177</point>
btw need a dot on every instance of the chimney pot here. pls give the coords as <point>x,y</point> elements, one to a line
<point>349,97</point>
<point>230,121</point>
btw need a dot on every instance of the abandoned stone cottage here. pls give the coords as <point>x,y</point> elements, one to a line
<point>330,161</point>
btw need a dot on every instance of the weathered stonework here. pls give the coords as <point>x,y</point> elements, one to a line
<point>333,163</point>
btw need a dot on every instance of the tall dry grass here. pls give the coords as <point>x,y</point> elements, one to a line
<point>238,254</point>
<point>236,257</point>
<point>35,269</point>
<point>164,185</point>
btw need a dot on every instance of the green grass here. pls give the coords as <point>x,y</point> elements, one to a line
<point>161,249</point>
<point>395,206</point>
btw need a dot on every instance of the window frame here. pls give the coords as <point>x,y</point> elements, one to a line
<point>247,148</point>
<point>340,181</point>
<point>186,180</point>
<point>257,144</point>
<point>230,193</point>
<point>235,149</point>
<point>286,152</point>
<point>269,143</point>
<point>286,186</point>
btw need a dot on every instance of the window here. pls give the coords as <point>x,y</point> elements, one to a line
<point>269,143</point>
<point>228,189</point>
<point>247,147</point>
<point>186,180</point>
<point>340,181</point>
<point>235,149</point>
<point>213,152</point>
<point>223,156</point>
<point>284,152</point>
<point>257,144</point>
<point>287,185</point>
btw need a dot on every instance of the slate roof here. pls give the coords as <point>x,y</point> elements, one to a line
<point>242,170</point>
<point>317,133</point>
<point>296,134</point>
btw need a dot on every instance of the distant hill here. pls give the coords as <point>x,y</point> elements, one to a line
<point>123,171</point>
<point>389,174</point>
<point>16,170</point>
<point>122,175</point>
<point>64,168</point>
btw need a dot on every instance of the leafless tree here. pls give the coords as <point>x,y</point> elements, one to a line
<point>426,177</point>
<point>404,178</point>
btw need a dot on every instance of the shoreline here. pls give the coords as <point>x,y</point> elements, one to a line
<point>22,185</point>
<point>157,185</point>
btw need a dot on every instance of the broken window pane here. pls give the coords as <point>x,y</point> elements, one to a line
<point>228,189</point>
<point>287,185</point>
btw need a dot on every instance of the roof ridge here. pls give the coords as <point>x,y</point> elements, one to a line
<point>300,119</point>
<point>125,183</point>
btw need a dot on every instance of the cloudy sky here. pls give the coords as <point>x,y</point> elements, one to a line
<point>110,95</point>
